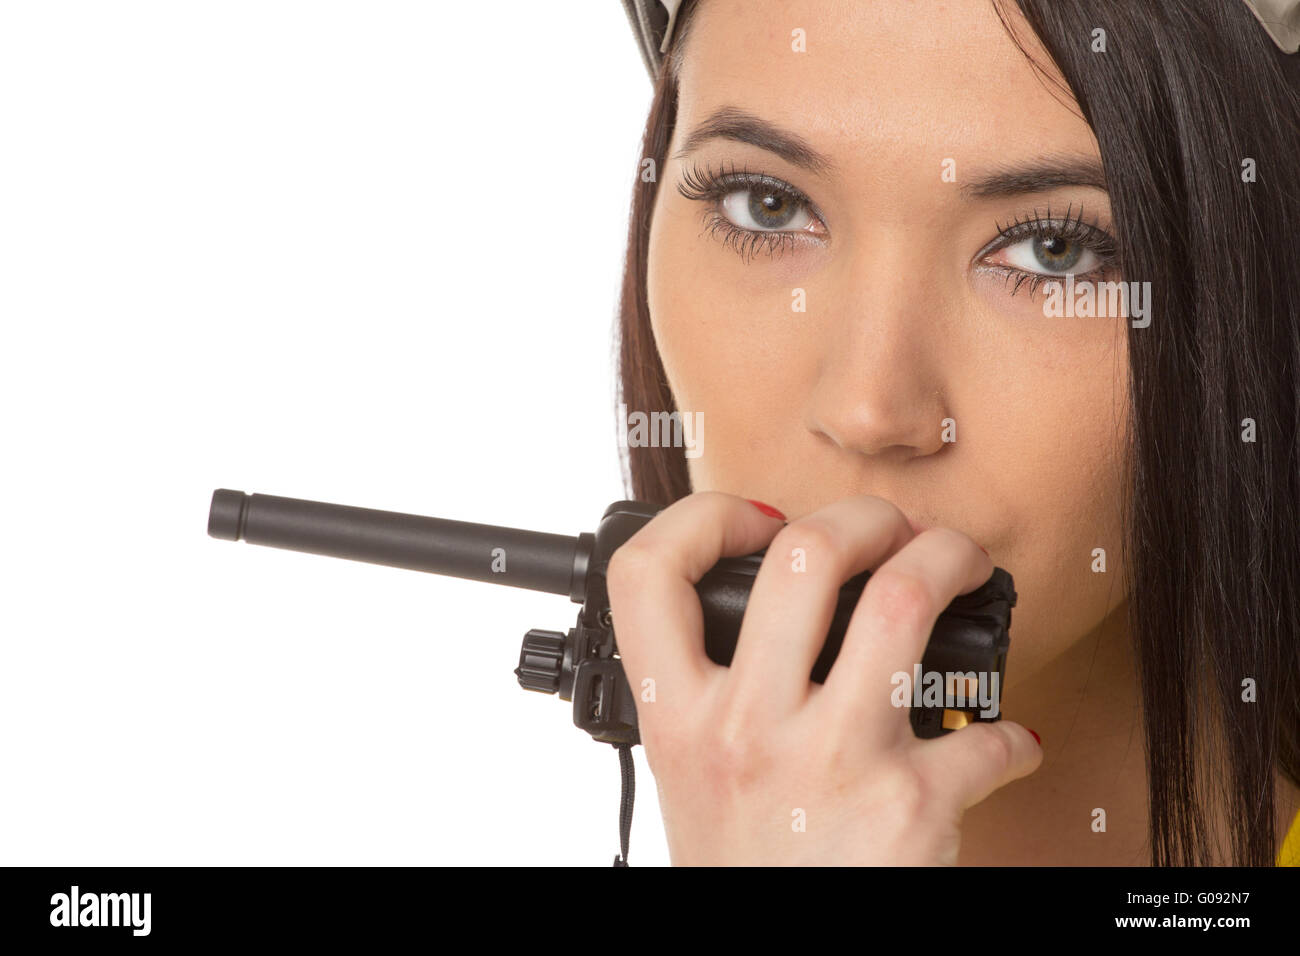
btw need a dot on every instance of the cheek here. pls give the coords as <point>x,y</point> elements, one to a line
<point>1068,410</point>
<point>727,336</point>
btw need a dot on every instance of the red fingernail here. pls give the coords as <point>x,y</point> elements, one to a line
<point>766,509</point>
<point>1036,737</point>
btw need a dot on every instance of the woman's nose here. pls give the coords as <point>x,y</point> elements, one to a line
<point>879,389</point>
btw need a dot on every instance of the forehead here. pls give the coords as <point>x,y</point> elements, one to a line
<point>882,84</point>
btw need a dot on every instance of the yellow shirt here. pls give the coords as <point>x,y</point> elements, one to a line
<point>1289,855</point>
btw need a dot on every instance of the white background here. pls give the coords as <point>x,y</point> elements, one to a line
<point>359,252</point>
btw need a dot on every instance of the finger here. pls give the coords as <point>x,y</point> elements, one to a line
<point>891,625</point>
<point>793,599</point>
<point>969,764</point>
<point>658,622</point>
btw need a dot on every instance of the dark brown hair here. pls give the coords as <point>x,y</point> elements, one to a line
<point>1183,95</point>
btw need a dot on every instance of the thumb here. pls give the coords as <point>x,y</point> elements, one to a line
<point>969,764</point>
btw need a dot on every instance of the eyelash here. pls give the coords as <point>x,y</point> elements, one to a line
<point>706,185</point>
<point>709,186</point>
<point>1072,228</point>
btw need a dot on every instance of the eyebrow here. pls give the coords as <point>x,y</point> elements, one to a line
<point>732,123</point>
<point>1036,177</point>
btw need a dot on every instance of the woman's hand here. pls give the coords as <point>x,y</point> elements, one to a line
<point>756,764</point>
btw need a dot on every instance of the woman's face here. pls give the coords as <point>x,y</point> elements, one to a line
<point>924,146</point>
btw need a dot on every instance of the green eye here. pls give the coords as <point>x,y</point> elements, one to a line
<point>1051,255</point>
<point>1043,247</point>
<point>760,208</point>
<point>1057,253</point>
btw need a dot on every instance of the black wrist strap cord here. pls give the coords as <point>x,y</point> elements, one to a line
<point>628,770</point>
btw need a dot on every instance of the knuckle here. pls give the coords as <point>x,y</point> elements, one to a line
<point>886,507</point>
<point>817,537</point>
<point>738,756</point>
<point>953,538</point>
<point>839,758</point>
<point>901,594</point>
<point>997,747</point>
<point>713,499</point>
<point>906,792</point>
<point>994,745</point>
<point>950,535</point>
<point>629,562</point>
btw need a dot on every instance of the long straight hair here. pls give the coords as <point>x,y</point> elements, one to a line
<point>1197,116</point>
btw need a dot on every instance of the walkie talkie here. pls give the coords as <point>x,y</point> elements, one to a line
<point>969,641</point>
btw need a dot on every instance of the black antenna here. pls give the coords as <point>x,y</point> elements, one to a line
<point>554,563</point>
